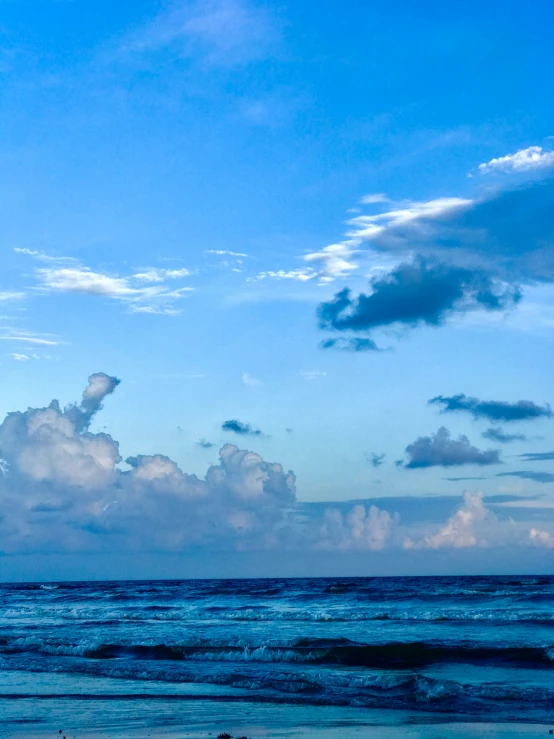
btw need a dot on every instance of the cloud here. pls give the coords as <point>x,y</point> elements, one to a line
<point>529,475</point>
<point>7,295</point>
<point>313,375</point>
<point>357,344</point>
<point>7,334</point>
<point>63,489</point>
<point>251,381</point>
<point>300,275</point>
<point>376,460</point>
<point>493,410</point>
<point>100,385</point>
<point>464,479</point>
<point>497,434</point>
<point>160,275</point>
<point>204,444</point>
<point>410,213</point>
<point>43,257</point>
<point>377,197</point>
<point>150,298</point>
<point>525,160</point>
<point>360,529</point>
<point>461,530</point>
<point>413,293</point>
<point>541,538</point>
<point>440,450</point>
<point>20,357</point>
<point>537,456</point>
<point>334,261</point>
<point>507,233</point>
<point>219,33</point>
<point>241,428</point>
<point>224,252</point>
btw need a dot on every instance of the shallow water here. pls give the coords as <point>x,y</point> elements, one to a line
<point>470,648</point>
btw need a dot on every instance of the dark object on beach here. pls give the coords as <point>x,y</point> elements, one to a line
<point>225,735</point>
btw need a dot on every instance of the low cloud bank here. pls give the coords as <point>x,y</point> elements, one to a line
<point>64,488</point>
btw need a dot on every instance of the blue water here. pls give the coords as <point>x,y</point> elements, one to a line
<point>464,646</point>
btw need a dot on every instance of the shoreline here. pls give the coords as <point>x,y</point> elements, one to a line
<point>88,716</point>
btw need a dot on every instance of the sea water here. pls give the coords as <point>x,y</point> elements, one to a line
<point>471,648</point>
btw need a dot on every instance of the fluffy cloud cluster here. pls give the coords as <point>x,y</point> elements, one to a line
<point>525,160</point>
<point>462,529</point>
<point>63,487</point>
<point>360,529</point>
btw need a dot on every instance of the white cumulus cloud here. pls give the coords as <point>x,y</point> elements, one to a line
<point>525,160</point>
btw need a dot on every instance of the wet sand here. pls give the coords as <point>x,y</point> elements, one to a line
<point>82,717</point>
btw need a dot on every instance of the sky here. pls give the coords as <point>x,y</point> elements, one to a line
<point>276,279</point>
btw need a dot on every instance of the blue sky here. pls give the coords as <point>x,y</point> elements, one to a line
<point>308,219</point>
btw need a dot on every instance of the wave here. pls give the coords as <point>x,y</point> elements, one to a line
<point>394,690</point>
<point>261,613</point>
<point>386,656</point>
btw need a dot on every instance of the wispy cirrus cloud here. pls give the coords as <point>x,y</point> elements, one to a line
<point>218,33</point>
<point>334,261</point>
<point>312,375</point>
<point>251,381</point>
<point>7,296</point>
<point>298,275</point>
<point>161,275</point>
<point>226,253</point>
<point>156,299</point>
<point>146,291</point>
<point>408,212</point>
<point>27,337</point>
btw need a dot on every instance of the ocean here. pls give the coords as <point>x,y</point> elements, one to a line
<point>467,648</point>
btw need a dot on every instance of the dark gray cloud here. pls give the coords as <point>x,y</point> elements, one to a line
<point>492,410</point>
<point>241,428</point>
<point>356,344</point>
<point>499,435</point>
<point>376,460</point>
<point>413,293</point>
<point>463,479</point>
<point>529,475</point>
<point>537,456</point>
<point>508,232</point>
<point>204,444</point>
<point>440,450</point>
